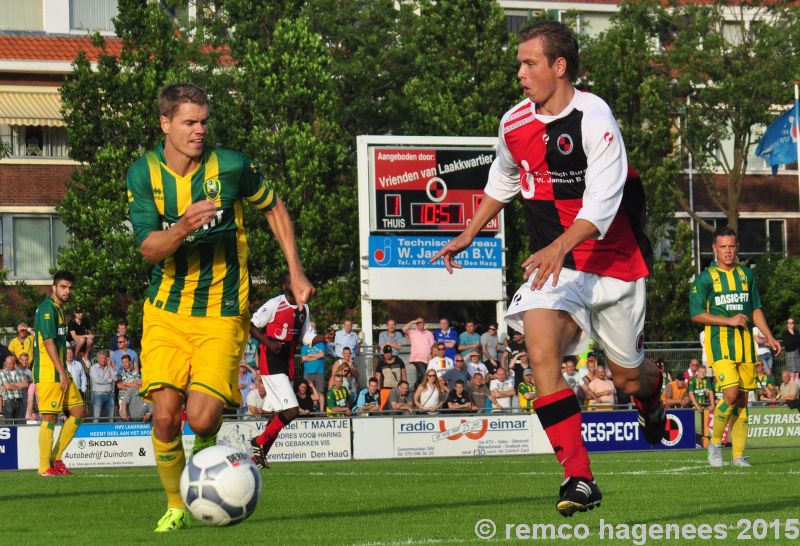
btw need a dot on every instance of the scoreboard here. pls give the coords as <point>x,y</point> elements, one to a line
<point>425,189</point>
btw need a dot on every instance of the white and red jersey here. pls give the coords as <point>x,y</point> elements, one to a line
<point>573,166</point>
<point>282,321</point>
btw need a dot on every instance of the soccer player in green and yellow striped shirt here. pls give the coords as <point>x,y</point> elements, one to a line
<point>724,298</point>
<point>186,209</point>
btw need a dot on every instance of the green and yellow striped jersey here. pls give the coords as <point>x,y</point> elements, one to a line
<point>48,323</point>
<point>726,294</point>
<point>700,388</point>
<point>207,275</point>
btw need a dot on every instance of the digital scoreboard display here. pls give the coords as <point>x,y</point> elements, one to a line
<point>428,189</point>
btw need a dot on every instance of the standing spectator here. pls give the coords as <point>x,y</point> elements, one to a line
<point>421,342</point>
<point>132,407</point>
<point>369,399</point>
<point>124,350</point>
<point>469,340</point>
<point>458,399</point>
<point>4,352</point>
<point>440,363</point>
<point>764,353</point>
<point>345,337</point>
<point>572,377</point>
<point>480,395</point>
<point>390,372</point>
<point>347,368</point>
<point>14,386</point>
<point>474,365</point>
<point>503,389</point>
<point>791,347</point>
<point>693,365</point>
<point>515,345</point>
<point>254,399</point>
<point>526,390</point>
<point>490,341</point>
<point>23,343</point>
<point>80,330</point>
<point>392,337</point>
<point>583,356</point>
<point>676,394</point>
<point>400,399</point>
<point>77,371</point>
<point>336,401</point>
<point>122,330</point>
<point>605,394</point>
<point>519,363</point>
<point>25,366</point>
<point>246,380</point>
<point>128,378</point>
<point>765,384</point>
<point>701,395</point>
<point>313,356</point>
<point>430,396</point>
<point>103,379</point>
<point>788,389</point>
<point>250,355</point>
<point>458,371</point>
<point>666,377</point>
<point>447,336</point>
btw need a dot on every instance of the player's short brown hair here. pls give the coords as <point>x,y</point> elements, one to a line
<point>558,40</point>
<point>176,94</point>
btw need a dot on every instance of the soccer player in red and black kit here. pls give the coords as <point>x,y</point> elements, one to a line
<point>563,151</point>
<point>278,325</point>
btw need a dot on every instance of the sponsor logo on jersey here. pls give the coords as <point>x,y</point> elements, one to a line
<point>564,144</point>
<point>608,136</point>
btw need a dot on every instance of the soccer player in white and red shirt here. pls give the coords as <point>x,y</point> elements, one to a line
<point>562,150</point>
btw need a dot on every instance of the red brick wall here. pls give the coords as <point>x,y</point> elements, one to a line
<point>33,185</point>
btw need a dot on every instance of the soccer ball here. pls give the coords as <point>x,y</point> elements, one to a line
<point>220,486</point>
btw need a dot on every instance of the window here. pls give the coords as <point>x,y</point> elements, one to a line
<point>592,24</point>
<point>755,236</point>
<point>35,141</point>
<point>17,15</point>
<point>92,14</point>
<point>31,243</point>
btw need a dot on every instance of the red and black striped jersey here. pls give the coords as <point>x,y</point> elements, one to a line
<point>282,321</point>
<point>574,166</point>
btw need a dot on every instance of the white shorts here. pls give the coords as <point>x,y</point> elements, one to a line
<point>606,309</point>
<point>280,394</point>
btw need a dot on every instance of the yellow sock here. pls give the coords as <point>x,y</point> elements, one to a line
<point>45,445</point>
<point>738,434</point>
<point>65,437</point>
<point>170,460</point>
<point>722,414</point>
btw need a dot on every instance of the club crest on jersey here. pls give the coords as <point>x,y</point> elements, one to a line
<point>212,188</point>
<point>564,144</point>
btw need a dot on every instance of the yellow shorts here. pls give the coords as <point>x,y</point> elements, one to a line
<point>728,373</point>
<point>53,400</point>
<point>193,353</point>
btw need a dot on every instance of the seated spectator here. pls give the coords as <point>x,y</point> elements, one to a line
<point>440,363</point>
<point>503,389</point>
<point>14,385</point>
<point>369,399</point>
<point>701,394</point>
<point>345,362</point>
<point>255,400</point>
<point>430,396</point>
<point>309,398</point>
<point>676,394</point>
<point>788,389</point>
<point>23,343</point>
<point>474,364</point>
<point>75,369</point>
<point>313,357</point>
<point>392,338</point>
<point>132,407</point>
<point>390,372</point>
<point>350,383</point>
<point>345,337</point>
<point>400,399</point>
<point>103,378</point>
<point>605,395</point>
<point>458,399</point>
<point>469,340</point>
<point>246,381</point>
<point>479,393</point>
<point>459,371</point>
<point>765,384</point>
<point>124,350</point>
<point>513,346</point>
<point>517,366</point>
<point>127,377</point>
<point>80,331</point>
<point>526,391</point>
<point>337,400</point>
<point>122,330</point>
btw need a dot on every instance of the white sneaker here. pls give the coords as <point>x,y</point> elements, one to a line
<point>741,461</point>
<point>715,455</point>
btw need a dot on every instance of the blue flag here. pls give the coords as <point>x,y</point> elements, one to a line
<point>778,146</point>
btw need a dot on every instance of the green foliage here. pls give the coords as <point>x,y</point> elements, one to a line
<point>778,286</point>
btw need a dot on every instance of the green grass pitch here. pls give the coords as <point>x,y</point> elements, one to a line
<point>420,501</point>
